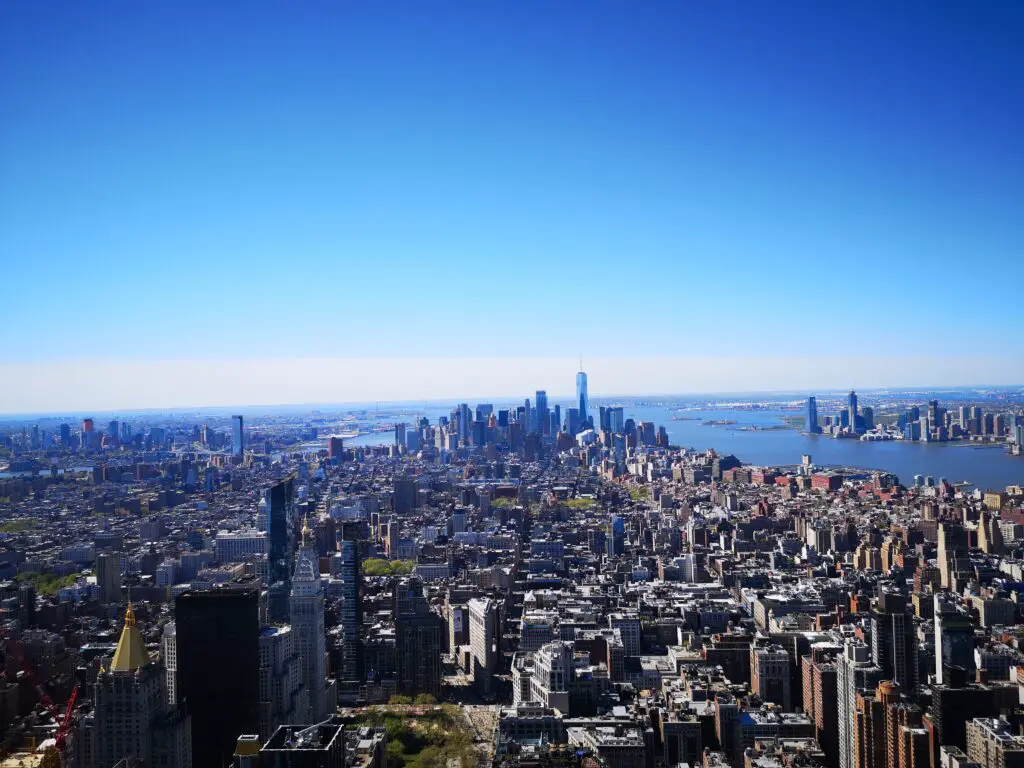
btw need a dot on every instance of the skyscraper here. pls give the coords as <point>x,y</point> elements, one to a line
<point>132,717</point>
<point>812,416</point>
<point>237,436</point>
<point>954,639</point>
<point>108,576</point>
<point>543,418</point>
<point>400,434</point>
<point>582,398</point>
<point>307,615</point>
<point>894,641</point>
<point>615,419</point>
<point>351,611</point>
<point>283,698</point>
<point>852,408</point>
<point>854,672</point>
<point>418,640</point>
<point>218,668</point>
<point>280,528</point>
<point>484,632</point>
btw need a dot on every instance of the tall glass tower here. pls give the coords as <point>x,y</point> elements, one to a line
<point>812,416</point>
<point>582,399</point>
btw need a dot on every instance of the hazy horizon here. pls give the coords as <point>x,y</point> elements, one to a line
<point>200,199</point>
<point>110,386</point>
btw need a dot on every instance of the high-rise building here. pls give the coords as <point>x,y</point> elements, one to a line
<point>867,417</point>
<point>307,615</point>
<point>572,420</point>
<point>484,633</point>
<point>351,613</point>
<point>400,428</point>
<point>954,639</point>
<point>465,422</point>
<point>894,641</point>
<point>169,650</point>
<point>283,697</point>
<point>853,413</point>
<point>819,694</point>
<point>335,447</point>
<point>132,717</point>
<point>582,397</point>
<point>237,436</point>
<point>543,415</point>
<point>108,576</point>
<point>616,538</point>
<point>855,672</point>
<point>812,416</point>
<point>616,423</point>
<point>419,640</point>
<point>280,528</point>
<point>218,668</point>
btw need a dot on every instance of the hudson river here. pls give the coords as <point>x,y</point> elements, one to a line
<point>985,467</point>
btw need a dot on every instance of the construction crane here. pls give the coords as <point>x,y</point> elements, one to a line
<point>16,649</point>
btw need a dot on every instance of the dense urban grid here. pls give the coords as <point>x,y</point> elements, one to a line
<point>520,586</point>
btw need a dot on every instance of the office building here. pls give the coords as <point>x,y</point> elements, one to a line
<point>132,717</point>
<point>769,675</point>
<point>894,641</point>
<point>419,640</point>
<point>582,397</point>
<point>238,546</point>
<point>400,429</point>
<point>283,697</point>
<point>543,415</point>
<point>307,619</point>
<point>335,447</point>
<point>237,436</point>
<point>305,746</point>
<point>351,614</point>
<point>572,421</point>
<point>169,651</point>
<point>218,668</point>
<point>855,672</point>
<point>616,422</point>
<point>484,635</point>
<point>279,505</point>
<point>811,421</point>
<point>852,413</point>
<point>954,639</point>
<point>108,577</point>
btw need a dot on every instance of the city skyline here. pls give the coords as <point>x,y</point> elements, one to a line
<point>111,386</point>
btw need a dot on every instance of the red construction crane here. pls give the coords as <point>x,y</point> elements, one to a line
<point>65,724</point>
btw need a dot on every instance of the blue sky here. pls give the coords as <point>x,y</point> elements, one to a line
<point>269,180</point>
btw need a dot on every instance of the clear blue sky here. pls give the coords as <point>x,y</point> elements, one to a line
<point>189,179</point>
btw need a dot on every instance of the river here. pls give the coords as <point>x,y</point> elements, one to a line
<point>984,467</point>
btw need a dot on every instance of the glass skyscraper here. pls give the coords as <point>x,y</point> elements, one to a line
<point>237,436</point>
<point>582,399</point>
<point>812,416</point>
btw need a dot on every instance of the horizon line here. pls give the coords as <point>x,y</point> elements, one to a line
<point>800,394</point>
